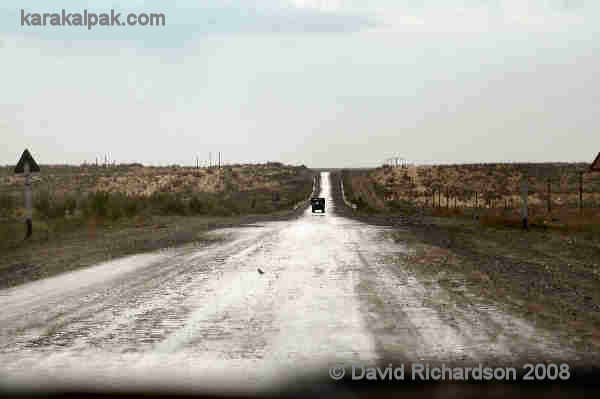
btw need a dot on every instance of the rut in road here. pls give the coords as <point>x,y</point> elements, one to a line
<point>328,292</point>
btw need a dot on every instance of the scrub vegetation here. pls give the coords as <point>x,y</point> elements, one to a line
<point>71,198</point>
<point>562,196</point>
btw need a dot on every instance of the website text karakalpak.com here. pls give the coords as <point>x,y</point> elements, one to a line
<point>91,19</point>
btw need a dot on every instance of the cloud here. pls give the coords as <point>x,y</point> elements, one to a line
<point>219,20</point>
<point>188,20</point>
<point>465,15</point>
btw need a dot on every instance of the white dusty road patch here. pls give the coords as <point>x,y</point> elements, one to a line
<point>207,317</point>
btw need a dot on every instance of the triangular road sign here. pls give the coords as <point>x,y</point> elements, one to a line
<point>596,164</point>
<point>26,157</point>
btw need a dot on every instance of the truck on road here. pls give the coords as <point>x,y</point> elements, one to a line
<point>318,203</point>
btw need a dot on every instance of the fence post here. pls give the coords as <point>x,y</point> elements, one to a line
<point>581,193</point>
<point>524,210</point>
<point>549,198</point>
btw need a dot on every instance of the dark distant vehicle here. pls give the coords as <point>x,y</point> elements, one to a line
<point>318,204</point>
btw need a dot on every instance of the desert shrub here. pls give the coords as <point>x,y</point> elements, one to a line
<point>7,202</point>
<point>70,205</point>
<point>57,209</point>
<point>255,201</point>
<point>121,205</point>
<point>98,203</point>
<point>8,231</point>
<point>221,209</point>
<point>42,203</point>
<point>233,207</point>
<point>364,206</point>
<point>113,206</point>
<point>132,206</point>
<point>168,204</point>
<point>398,205</point>
<point>175,206</point>
<point>196,206</point>
<point>115,209</point>
<point>50,207</point>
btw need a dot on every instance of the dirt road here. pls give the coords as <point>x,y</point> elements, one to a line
<point>206,316</point>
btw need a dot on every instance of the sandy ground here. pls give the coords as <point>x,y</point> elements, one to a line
<point>260,303</point>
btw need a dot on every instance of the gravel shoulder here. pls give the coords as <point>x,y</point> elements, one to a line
<point>78,249</point>
<point>551,279</point>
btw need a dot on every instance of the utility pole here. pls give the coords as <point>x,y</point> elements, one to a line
<point>210,159</point>
<point>219,159</point>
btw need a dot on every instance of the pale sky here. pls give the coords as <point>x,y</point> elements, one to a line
<point>325,83</point>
